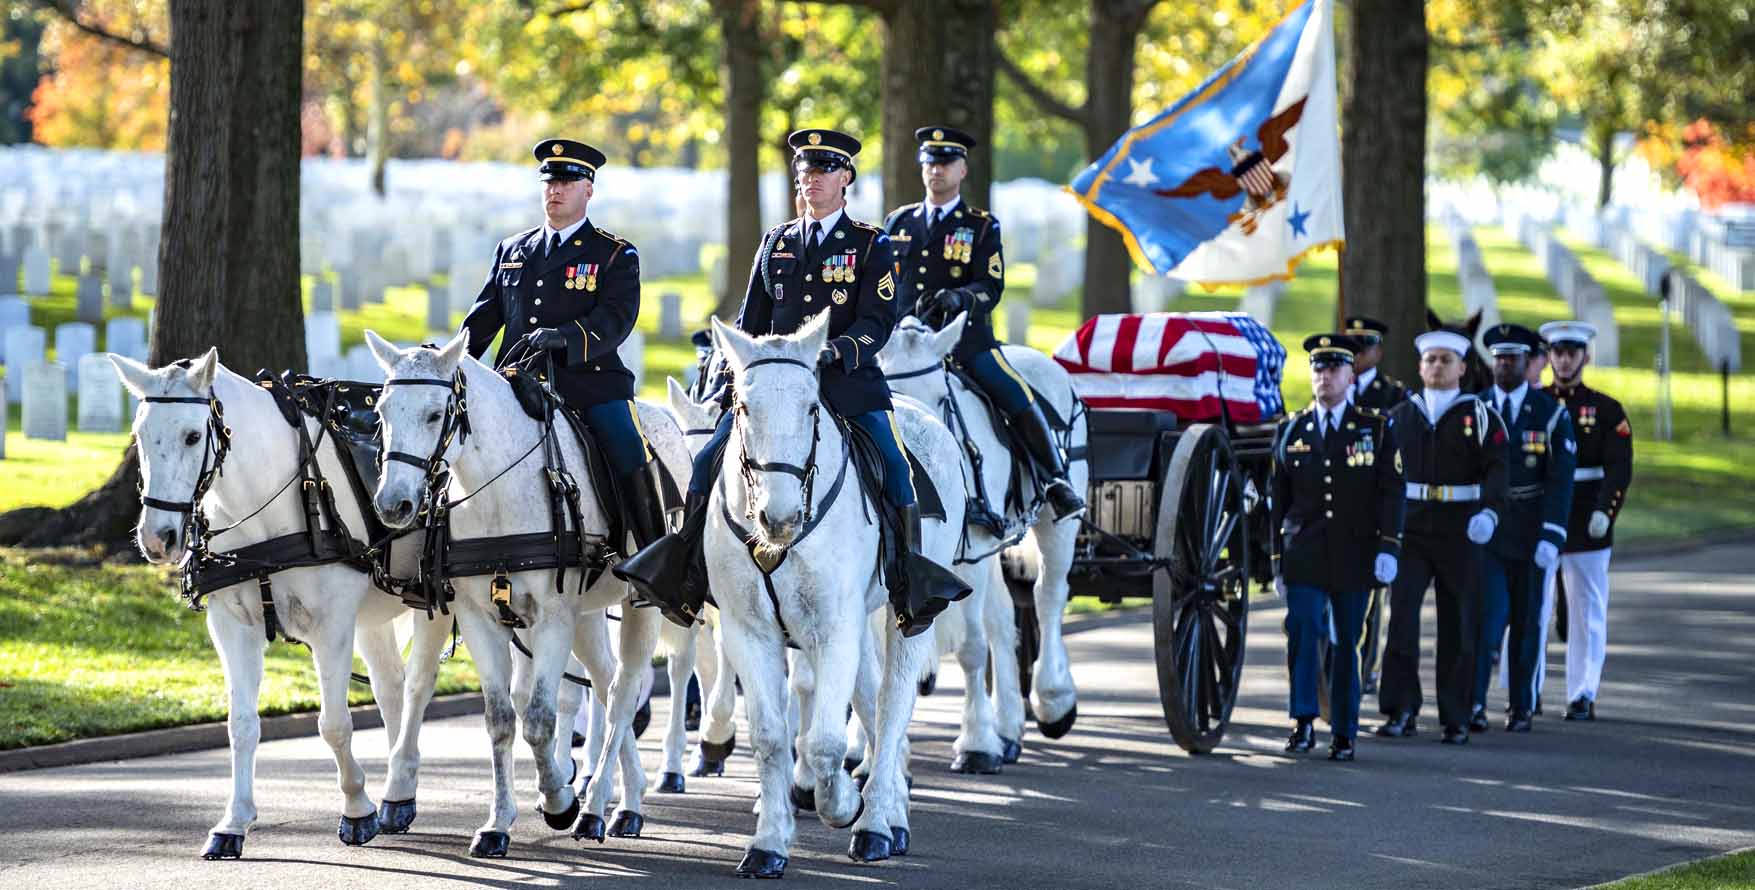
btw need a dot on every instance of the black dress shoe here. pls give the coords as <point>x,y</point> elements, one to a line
<point>1340,749</point>
<point>1581,709</point>
<point>1478,719</point>
<point>1399,726</point>
<point>1519,721</point>
<point>1455,735</point>
<point>1302,739</point>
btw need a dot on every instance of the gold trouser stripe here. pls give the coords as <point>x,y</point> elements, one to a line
<point>900,445</point>
<point>1005,366</point>
<point>634,412</point>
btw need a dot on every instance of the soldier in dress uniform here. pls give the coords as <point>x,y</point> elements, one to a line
<point>950,260</point>
<point>1452,447</point>
<point>573,290</point>
<point>1540,454</point>
<point>1605,468</point>
<point>1538,363</point>
<point>1376,390</point>
<point>822,261</point>
<point>1336,502</point>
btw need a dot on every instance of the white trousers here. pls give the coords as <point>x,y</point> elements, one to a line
<point>1587,620</point>
<point>1547,619</point>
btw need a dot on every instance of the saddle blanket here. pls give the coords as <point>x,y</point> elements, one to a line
<point>1182,362</point>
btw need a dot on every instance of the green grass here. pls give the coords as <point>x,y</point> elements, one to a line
<point>1735,871</point>
<point>90,651</point>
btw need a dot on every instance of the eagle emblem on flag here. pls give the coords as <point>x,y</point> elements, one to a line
<point>1252,172</point>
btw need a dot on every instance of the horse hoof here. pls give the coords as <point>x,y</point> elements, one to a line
<point>706,767</point>
<point>490,845</point>
<point>869,846</point>
<point>223,846</point>
<point>562,820</point>
<point>642,718</point>
<point>627,824</point>
<point>899,842</point>
<point>929,684</point>
<point>671,783</point>
<point>395,816</point>
<point>588,828</point>
<point>804,799</point>
<point>976,763</point>
<point>1010,750</point>
<point>719,751</point>
<point>1057,728</point>
<point>762,864</point>
<point>849,823</point>
<point>357,831</point>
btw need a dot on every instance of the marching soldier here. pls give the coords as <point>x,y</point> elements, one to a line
<point>821,261</point>
<point>1336,505</point>
<point>1453,456</point>
<point>1605,469</point>
<point>950,259</point>
<point>1372,389</point>
<point>1537,364</point>
<point>573,290</point>
<point>1540,455</point>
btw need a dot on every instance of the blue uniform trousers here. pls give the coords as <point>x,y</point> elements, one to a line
<point>997,378</point>
<point>898,479</point>
<point>616,428</point>
<point>1511,599</point>
<point>1307,610</point>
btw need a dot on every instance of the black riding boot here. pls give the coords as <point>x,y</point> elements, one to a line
<point>671,572</point>
<point>923,588</point>
<point>644,505</point>
<point>1032,427</point>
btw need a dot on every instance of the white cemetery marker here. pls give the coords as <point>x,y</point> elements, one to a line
<point>322,295</point>
<point>24,346</point>
<point>9,273</point>
<point>348,285</point>
<point>72,340</point>
<point>464,288</point>
<point>100,395</point>
<point>329,367</point>
<point>438,307</point>
<point>97,253</point>
<point>14,312</point>
<point>362,367</point>
<point>633,354</point>
<point>45,401</point>
<point>670,323</point>
<point>121,275</point>
<point>90,297</point>
<point>1259,301</point>
<point>322,336</point>
<point>36,271</point>
<point>1017,321</point>
<point>125,336</point>
<point>149,271</point>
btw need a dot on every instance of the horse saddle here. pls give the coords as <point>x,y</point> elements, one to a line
<point>1023,469</point>
<point>348,411</point>
<point>868,463</point>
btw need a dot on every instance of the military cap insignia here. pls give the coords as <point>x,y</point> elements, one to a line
<point>886,287</point>
<point>816,139</point>
<point>555,149</point>
<point>1325,342</point>
<point>994,269</point>
<point>938,134</point>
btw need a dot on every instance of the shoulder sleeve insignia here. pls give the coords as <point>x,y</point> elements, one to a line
<point>886,287</point>
<point>1398,461</point>
<point>1623,429</point>
<point>995,269</point>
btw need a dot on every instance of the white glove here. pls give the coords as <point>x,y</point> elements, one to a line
<point>1280,588</point>
<point>1599,524</point>
<point>1385,571</point>
<point>1546,555</point>
<point>1481,526</point>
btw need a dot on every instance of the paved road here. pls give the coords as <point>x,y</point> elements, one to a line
<point>1667,774</point>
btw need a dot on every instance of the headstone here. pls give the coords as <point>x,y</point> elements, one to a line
<point>362,367</point>
<point>1017,321</point>
<point>716,272</point>
<point>310,255</point>
<point>9,283</point>
<point>393,266</point>
<point>36,271</point>
<point>125,336</point>
<point>633,355</point>
<point>438,307</point>
<point>322,335</point>
<point>149,272</point>
<point>14,312</point>
<point>45,401</point>
<point>121,275</point>
<point>670,323</point>
<point>322,295</point>
<point>1155,293</point>
<point>1259,301</point>
<point>24,346</point>
<point>464,288</point>
<point>348,287</point>
<point>90,299</point>
<point>100,395</point>
<point>97,254</point>
<point>329,367</point>
<point>72,340</point>
<point>69,248</point>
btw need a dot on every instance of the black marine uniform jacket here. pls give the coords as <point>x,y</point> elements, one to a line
<point>1465,446</point>
<point>852,274</point>
<point>1539,457</point>
<point>589,289</point>
<point>1382,393</point>
<point>963,250</point>
<point>1605,458</point>
<point>1336,502</point>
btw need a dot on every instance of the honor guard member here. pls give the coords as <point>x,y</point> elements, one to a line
<point>1539,457</point>
<point>950,259</point>
<point>824,261</point>
<point>1605,469</point>
<point>1372,389</point>
<point>1452,447</point>
<point>572,290</point>
<point>1336,502</point>
<point>1538,362</point>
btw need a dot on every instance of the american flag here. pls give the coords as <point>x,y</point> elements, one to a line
<point>1178,362</point>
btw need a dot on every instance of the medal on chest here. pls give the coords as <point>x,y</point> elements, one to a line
<point>960,246</point>
<point>838,268</point>
<point>583,277</point>
<point>1468,427</point>
<point>1587,417</point>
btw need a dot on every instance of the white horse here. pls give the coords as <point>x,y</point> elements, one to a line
<point>500,487</point>
<point>254,497</point>
<point>806,571</point>
<point>910,360</point>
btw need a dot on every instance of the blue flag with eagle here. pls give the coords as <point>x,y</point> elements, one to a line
<point>1241,179</point>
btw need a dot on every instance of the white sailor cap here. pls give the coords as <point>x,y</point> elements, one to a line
<point>1579,332</point>
<point>1450,340</point>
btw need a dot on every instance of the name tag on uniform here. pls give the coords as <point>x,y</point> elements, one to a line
<point>1298,447</point>
<point>511,265</point>
<point>901,236</point>
<point>781,256</point>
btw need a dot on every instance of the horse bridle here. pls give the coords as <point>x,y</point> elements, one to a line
<point>806,474</point>
<point>455,424</point>
<point>213,451</point>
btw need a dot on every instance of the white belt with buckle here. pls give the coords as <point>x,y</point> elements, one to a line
<point>1587,474</point>
<point>1420,491</point>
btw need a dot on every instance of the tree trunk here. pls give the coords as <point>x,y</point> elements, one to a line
<point>1384,173</point>
<point>1115,29</point>
<point>745,90</point>
<point>938,68</point>
<point>228,260</point>
<point>378,117</point>
<point>1604,135</point>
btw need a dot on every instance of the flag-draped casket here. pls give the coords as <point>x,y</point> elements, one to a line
<point>1182,362</point>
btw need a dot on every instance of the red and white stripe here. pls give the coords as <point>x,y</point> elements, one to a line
<point>1164,362</point>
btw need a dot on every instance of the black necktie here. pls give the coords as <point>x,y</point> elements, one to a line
<point>1505,409</point>
<point>554,244</point>
<point>938,213</point>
